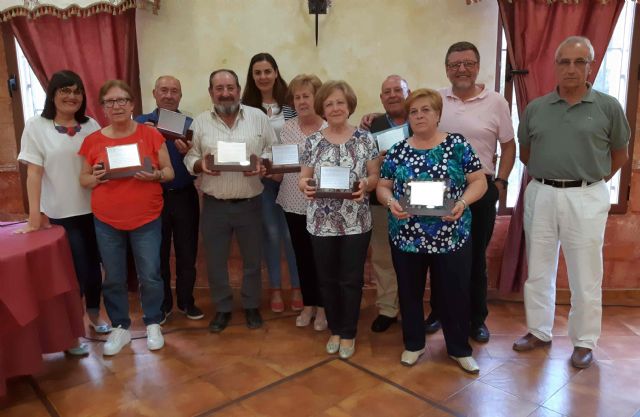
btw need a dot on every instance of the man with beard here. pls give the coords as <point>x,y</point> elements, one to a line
<point>181,210</point>
<point>231,200</point>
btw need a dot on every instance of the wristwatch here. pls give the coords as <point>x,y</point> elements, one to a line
<point>502,180</point>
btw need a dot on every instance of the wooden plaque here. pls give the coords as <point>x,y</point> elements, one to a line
<point>211,165</point>
<point>339,194</point>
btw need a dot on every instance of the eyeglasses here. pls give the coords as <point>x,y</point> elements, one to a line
<point>119,101</point>
<point>579,63</point>
<point>68,91</point>
<point>467,64</point>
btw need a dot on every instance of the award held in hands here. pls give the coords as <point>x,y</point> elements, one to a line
<point>335,183</point>
<point>285,159</point>
<point>173,125</point>
<point>385,139</point>
<point>123,161</point>
<point>231,156</point>
<point>427,198</point>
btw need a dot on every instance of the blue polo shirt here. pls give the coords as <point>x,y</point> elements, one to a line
<point>182,177</point>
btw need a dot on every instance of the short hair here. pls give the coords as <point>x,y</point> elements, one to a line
<point>327,89</point>
<point>303,80</point>
<point>461,47</point>
<point>111,84</point>
<point>232,72</point>
<point>574,40</point>
<point>432,95</point>
<point>251,96</point>
<point>395,76</point>
<point>60,80</point>
<point>170,77</point>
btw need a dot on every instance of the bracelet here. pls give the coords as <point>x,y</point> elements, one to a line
<point>464,203</point>
<point>161,175</point>
<point>389,201</point>
<point>502,180</point>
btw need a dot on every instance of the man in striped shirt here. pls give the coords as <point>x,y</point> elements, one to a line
<point>231,200</point>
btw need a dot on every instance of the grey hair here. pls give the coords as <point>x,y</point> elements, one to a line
<point>574,40</point>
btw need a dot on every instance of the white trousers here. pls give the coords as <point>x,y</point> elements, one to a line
<point>574,218</point>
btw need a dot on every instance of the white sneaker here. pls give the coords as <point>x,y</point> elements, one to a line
<point>155,340</point>
<point>467,363</point>
<point>410,357</point>
<point>118,338</point>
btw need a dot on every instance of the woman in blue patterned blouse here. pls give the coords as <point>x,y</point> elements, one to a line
<point>340,228</point>
<point>440,245</point>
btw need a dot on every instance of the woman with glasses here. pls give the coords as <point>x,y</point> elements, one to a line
<point>127,209</point>
<point>49,147</point>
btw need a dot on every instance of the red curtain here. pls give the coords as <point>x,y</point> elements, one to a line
<point>534,29</point>
<point>98,48</point>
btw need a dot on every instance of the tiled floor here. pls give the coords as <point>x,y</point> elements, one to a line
<point>281,370</point>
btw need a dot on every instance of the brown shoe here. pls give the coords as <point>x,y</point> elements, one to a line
<point>529,342</point>
<point>581,357</point>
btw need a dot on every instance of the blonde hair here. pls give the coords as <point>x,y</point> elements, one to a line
<point>432,95</point>
<point>303,80</point>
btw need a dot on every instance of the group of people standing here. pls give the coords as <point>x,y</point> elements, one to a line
<point>451,134</point>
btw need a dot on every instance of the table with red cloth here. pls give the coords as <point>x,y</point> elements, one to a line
<point>40,306</point>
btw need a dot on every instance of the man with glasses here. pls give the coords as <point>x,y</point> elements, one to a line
<point>231,200</point>
<point>482,116</point>
<point>181,210</point>
<point>572,141</point>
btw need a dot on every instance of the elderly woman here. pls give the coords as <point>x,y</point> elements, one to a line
<point>441,245</point>
<point>340,228</point>
<point>49,147</point>
<point>127,209</point>
<point>266,90</point>
<point>295,131</point>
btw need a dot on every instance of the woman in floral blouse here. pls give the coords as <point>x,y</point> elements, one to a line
<point>340,228</point>
<point>441,245</point>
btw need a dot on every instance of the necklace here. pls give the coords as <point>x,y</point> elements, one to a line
<point>71,131</point>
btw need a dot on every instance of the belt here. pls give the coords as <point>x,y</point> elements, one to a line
<point>229,200</point>
<point>179,190</point>
<point>565,183</point>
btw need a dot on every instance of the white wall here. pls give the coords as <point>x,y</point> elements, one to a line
<point>361,41</point>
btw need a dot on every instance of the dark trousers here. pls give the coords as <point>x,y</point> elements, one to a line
<point>450,277</point>
<point>221,219</point>
<point>301,240</point>
<point>180,217</point>
<point>483,218</point>
<point>86,257</point>
<point>340,265</point>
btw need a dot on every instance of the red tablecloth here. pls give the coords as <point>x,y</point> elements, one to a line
<point>40,306</point>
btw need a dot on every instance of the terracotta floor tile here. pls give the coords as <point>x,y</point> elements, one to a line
<point>544,412</point>
<point>620,347</point>
<point>603,390</point>
<point>185,399</point>
<point>239,378</point>
<point>18,391</point>
<point>527,379</point>
<point>480,400</point>
<point>288,399</point>
<point>146,379</point>
<point>238,411</point>
<point>32,408</point>
<point>383,400</point>
<point>62,371</point>
<point>92,399</point>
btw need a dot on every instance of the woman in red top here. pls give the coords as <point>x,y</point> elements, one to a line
<point>127,209</point>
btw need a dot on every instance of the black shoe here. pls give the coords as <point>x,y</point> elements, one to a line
<point>382,323</point>
<point>432,325</point>
<point>254,321</point>
<point>165,316</point>
<point>192,312</point>
<point>480,333</point>
<point>220,322</point>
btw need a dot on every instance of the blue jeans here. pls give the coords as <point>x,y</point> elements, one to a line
<point>275,232</point>
<point>145,245</point>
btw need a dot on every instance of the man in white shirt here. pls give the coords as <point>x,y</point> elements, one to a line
<point>231,200</point>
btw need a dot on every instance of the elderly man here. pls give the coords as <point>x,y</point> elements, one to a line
<point>231,200</point>
<point>572,141</point>
<point>483,118</point>
<point>393,93</point>
<point>181,210</point>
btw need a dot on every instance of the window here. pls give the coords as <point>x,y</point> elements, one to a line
<point>33,95</point>
<point>612,78</point>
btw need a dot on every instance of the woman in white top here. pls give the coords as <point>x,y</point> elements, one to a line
<point>49,147</point>
<point>295,131</point>
<point>266,90</point>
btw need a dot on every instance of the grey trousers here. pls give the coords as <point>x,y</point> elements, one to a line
<point>220,219</point>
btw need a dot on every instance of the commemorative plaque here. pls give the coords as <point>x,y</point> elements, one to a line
<point>173,125</point>
<point>385,139</point>
<point>285,159</point>
<point>427,198</point>
<point>123,161</point>
<point>231,156</point>
<point>335,183</point>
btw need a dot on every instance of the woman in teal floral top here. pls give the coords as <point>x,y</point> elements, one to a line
<point>340,228</point>
<point>440,245</point>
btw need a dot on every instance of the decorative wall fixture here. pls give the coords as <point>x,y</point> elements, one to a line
<point>318,7</point>
<point>68,8</point>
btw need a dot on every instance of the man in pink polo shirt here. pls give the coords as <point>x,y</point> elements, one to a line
<point>482,116</point>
